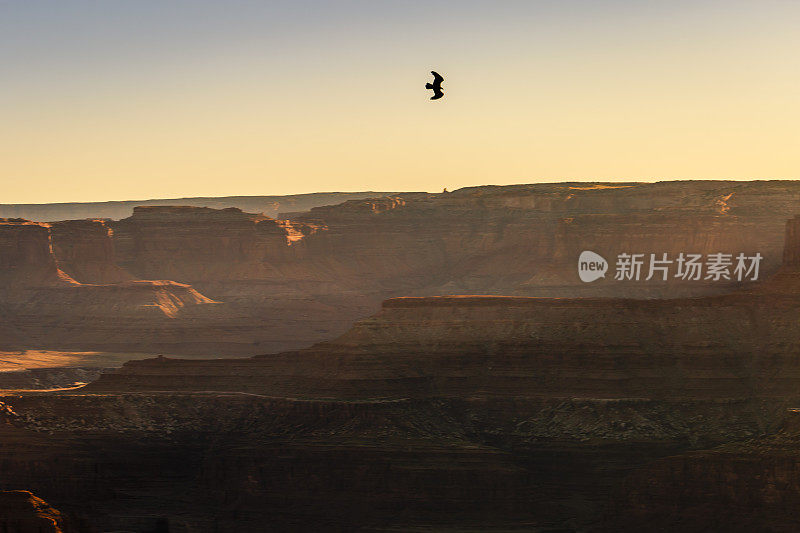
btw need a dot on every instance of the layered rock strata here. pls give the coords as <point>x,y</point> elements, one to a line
<point>740,345</point>
<point>292,282</point>
<point>467,412</point>
<point>44,307</point>
<point>22,512</point>
<point>449,413</point>
<point>84,249</point>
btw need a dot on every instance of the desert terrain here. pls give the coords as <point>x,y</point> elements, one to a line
<point>402,362</point>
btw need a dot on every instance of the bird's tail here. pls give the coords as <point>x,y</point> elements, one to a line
<point>429,86</point>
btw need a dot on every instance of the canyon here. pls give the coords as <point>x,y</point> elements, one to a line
<point>224,282</point>
<point>460,377</point>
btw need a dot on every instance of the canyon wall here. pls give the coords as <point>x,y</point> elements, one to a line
<point>521,240</point>
<point>22,512</point>
<point>525,240</point>
<point>26,256</point>
<point>436,412</point>
<point>546,403</point>
<point>198,244</point>
<point>85,250</point>
<point>307,277</point>
<point>740,345</point>
<point>481,412</point>
<point>726,346</point>
<point>45,308</point>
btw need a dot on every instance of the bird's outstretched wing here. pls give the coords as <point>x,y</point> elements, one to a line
<point>437,93</point>
<point>437,78</point>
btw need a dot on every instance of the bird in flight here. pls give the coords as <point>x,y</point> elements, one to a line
<point>436,86</point>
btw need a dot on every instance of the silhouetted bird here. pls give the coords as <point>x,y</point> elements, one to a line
<point>436,86</point>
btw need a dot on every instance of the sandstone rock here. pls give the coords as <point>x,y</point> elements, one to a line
<point>449,412</point>
<point>286,284</point>
<point>42,307</point>
<point>741,345</point>
<point>22,512</point>
<point>26,256</point>
<point>85,251</point>
<point>199,244</point>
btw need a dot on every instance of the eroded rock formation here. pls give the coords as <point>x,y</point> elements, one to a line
<point>26,256</point>
<point>84,249</point>
<point>22,512</point>
<point>573,414</point>
<point>285,284</point>
<point>739,345</point>
<point>42,306</point>
<point>471,412</point>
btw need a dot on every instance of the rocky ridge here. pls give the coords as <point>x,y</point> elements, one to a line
<point>22,512</point>
<point>454,413</point>
<point>287,283</point>
<point>740,345</point>
<point>451,412</point>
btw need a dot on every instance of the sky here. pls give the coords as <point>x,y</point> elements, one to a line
<point>113,99</point>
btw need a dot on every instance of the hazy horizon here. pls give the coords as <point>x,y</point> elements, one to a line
<point>127,101</point>
<point>332,191</point>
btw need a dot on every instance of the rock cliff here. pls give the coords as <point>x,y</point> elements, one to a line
<point>203,245</point>
<point>308,277</point>
<point>26,256</point>
<point>525,240</point>
<point>22,512</point>
<point>740,345</point>
<point>84,249</point>
<point>43,307</point>
<point>520,347</point>
<point>471,412</point>
<point>507,410</point>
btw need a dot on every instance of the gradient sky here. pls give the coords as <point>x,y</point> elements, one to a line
<point>113,99</point>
